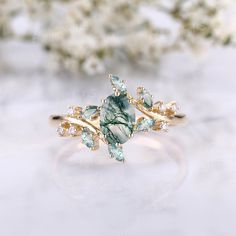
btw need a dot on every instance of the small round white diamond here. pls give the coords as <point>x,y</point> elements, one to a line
<point>61,131</point>
<point>163,126</point>
<point>174,107</point>
<point>72,131</point>
<point>71,111</point>
<point>162,107</point>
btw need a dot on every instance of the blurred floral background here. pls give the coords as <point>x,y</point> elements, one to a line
<point>87,36</point>
<point>57,53</point>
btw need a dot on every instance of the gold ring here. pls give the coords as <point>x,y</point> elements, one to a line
<point>115,121</point>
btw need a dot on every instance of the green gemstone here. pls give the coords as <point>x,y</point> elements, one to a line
<point>90,112</point>
<point>147,98</point>
<point>116,152</point>
<point>87,138</point>
<point>145,124</point>
<point>118,84</point>
<point>117,117</point>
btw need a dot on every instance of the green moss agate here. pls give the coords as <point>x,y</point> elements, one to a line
<point>117,119</point>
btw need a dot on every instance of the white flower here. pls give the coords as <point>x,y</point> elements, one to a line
<point>85,34</point>
<point>93,65</point>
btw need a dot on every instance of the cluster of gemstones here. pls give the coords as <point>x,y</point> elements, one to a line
<point>89,138</point>
<point>115,118</point>
<point>167,110</point>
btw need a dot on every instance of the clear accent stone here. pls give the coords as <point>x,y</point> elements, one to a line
<point>61,131</point>
<point>145,124</point>
<point>171,109</point>
<point>71,111</point>
<point>74,111</point>
<point>72,131</point>
<point>90,112</point>
<point>118,84</point>
<point>164,126</point>
<point>116,152</point>
<point>162,108</point>
<point>174,107</point>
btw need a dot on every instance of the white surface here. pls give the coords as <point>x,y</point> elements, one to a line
<point>36,199</point>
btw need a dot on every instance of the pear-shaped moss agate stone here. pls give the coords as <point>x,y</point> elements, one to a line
<point>117,119</point>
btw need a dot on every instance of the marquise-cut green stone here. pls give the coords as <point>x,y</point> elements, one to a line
<point>147,98</point>
<point>145,124</point>
<point>117,117</point>
<point>87,138</point>
<point>90,112</point>
<point>116,152</point>
<point>118,84</point>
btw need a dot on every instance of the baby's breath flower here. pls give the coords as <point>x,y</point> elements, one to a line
<point>84,34</point>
